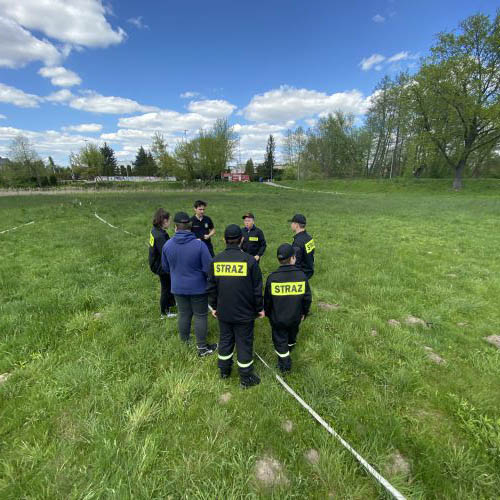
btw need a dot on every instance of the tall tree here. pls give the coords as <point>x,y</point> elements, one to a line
<point>266,169</point>
<point>164,160</point>
<point>457,92</point>
<point>88,162</point>
<point>249,168</point>
<point>110,166</point>
<point>24,160</point>
<point>141,162</point>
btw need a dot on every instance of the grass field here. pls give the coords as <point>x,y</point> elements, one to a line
<point>102,401</point>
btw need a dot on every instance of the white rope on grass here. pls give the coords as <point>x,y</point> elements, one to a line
<point>381,480</point>
<point>273,184</point>
<point>111,225</point>
<point>17,227</point>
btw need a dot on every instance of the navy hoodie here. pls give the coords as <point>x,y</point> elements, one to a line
<point>187,259</point>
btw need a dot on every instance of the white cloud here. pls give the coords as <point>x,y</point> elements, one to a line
<point>49,142</point>
<point>84,127</point>
<point>3,117</point>
<point>18,47</point>
<point>212,108</point>
<point>97,103</point>
<point>167,121</point>
<point>288,103</point>
<point>59,76</point>
<point>61,96</point>
<point>190,95</point>
<point>138,23</point>
<point>78,22</point>
<point>369,62</point>
<point>17,97</point>
<point>400,56</point>
<point>378,18</point>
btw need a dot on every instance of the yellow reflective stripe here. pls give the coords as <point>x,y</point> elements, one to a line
<point>151,240</point>
<point>253,238</point>
<point>310,246</point>
<point>225,358</point>
<point>230,268</point>
<point>244,365</point>
<point>287,353</point>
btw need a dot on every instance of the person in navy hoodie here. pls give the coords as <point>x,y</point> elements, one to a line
<point>187,259</point>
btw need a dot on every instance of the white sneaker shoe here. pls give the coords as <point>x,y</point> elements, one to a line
<point>171,315</point>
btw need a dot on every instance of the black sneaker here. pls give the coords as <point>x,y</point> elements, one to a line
<point>207,350</point>
<point>225,374</point>
<point>249,381</point>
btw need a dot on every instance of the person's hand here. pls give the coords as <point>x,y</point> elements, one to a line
<point>256,257</point>
<point>262,314</point>
<point>303,317</point>
<point>205,236</point>
<point>214,313</point>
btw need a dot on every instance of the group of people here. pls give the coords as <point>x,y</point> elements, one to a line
<point>230,286</point>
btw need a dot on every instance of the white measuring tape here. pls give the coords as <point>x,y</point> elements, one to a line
<point>388,486</point>
<point>17,227</point>
<point>111,225</point>
<point>381,480</point>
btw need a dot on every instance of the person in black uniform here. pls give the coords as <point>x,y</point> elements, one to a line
<point>202,225</point>
<point>303,244</point>
<point>235,296</point>
<point>254,242</point>
<point>157,238</point>
<point>287,300</point>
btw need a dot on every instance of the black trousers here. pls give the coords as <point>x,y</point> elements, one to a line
<point>210,247</point>
<point>241,335</point>
<point>284,338</point>
<point>166,297</point>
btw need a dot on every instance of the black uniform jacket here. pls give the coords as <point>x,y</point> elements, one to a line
<point>157,239</point>
<point>304,251</point>
<point>254,242</point>
<point>201,227</point>
<point>287,296</point>
<point>235,286</point>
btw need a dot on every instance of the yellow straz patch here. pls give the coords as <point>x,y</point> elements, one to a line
<point>151,240</point>
<point>253,238</point>
<point>230,268</point>
<point>293,288</point>
<point>310,246</point>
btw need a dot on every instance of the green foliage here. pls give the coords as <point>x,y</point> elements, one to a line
<point>109,166</point>
<point>88,163</point>
<point>164,160</point>
<point>144,164</point>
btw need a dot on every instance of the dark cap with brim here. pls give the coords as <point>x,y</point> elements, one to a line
<point>182,218</point>
<point>232,232</point>
<point>285,251</point>
<point>299,218</point>
<point>249,214</point>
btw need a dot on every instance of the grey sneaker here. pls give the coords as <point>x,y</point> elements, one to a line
<point>207,350</point>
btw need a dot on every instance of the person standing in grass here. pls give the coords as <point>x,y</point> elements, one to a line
<point>287,300</point>
<point>157,238</point>
<point>303,245</point>
<point>254,242</point>
<point>202,225</point>
<point>187,260</point>
<point>235,296</point>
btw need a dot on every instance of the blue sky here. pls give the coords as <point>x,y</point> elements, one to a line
<point>77,70</point>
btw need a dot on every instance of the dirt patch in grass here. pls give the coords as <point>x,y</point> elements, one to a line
<point>4,377</point>
<point>462,325</point>
<point>398,465</point>
<point>374,332</point>
<point>98,315</point>
<point>269,472</point>
<point>328,307</point>
<point>394,322</point>
<point>287,426</point>
<point>493,340</point>
<point>414,321</point>
<point>225,398</point>
<point>312,456</point>
<point>435,358</point>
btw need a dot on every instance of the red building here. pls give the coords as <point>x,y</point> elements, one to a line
<point>236,177</point>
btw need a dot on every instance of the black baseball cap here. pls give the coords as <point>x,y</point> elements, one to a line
<point>249,214</point>
<point>285,251</point>
<point>232,232</point>
<point>182,218</point>
<point>301,219</point>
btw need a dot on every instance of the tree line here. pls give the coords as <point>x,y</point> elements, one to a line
<point>443,120</point>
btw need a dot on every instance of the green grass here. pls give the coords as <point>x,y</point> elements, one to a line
<point>112,406</point>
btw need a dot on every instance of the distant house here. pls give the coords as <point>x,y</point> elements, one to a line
<point>233,177</point>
